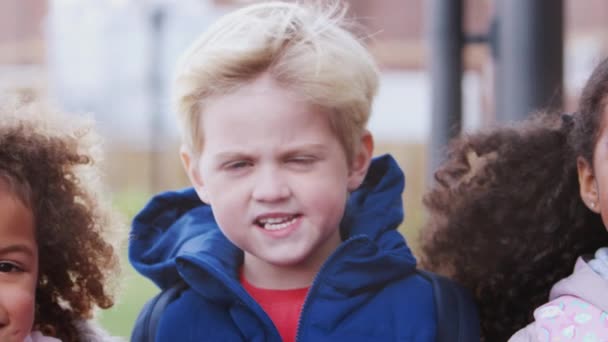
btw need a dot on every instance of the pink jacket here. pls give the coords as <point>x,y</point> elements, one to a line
<point>577,310</point>
<point>37,336</point>
<point>89,331</point>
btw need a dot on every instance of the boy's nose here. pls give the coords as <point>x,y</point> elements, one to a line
<point>270,187</point>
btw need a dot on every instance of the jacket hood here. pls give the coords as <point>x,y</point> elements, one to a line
<point>176,228</point>
<point>585,284</point>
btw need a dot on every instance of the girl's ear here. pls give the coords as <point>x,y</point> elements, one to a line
<point>361,161</point>
<point>588,185</point>
<point>193,172</point>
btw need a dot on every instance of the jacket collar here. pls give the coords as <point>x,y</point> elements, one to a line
<point>585,284</point>
<point>176,233</point>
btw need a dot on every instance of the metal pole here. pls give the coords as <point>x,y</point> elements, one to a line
<point>445,37</point>
<point>530,57</point>
<point>157,19</point>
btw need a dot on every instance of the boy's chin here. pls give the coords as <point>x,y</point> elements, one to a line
<point>292,260</point>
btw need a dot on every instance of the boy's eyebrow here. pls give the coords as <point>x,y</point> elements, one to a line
<point>287,150</point>
<point>18,248</point>
<point>230,155</point>
<point>313,146</point>
<point>304,147</point>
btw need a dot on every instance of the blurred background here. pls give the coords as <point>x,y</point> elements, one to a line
<point>445,68</point>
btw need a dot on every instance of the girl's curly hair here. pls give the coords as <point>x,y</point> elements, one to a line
<point>46,160</point>
<point>505,216</point>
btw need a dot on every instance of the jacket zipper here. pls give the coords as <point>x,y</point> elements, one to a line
<point>315,281</point>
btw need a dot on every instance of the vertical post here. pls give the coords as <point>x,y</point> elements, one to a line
<point>157,19</point>
<point>445,37</point>
<point>530,57</point>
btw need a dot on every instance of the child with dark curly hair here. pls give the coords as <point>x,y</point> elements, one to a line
<point>55,260</point>
<point>514,210</point>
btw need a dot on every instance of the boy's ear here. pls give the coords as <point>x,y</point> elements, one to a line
<point>189,164</point>
<point>361,161</point>
<point>587,185</point>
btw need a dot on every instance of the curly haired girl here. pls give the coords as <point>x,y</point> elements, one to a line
<point>55,261</point>
<point>515,209</point>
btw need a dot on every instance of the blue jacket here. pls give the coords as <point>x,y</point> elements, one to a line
<point>365,291</point>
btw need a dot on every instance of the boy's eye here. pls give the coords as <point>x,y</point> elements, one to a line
<point>301,163</point>
<point>238,165</point>
<point>302,160</point>
<point>8,267</point>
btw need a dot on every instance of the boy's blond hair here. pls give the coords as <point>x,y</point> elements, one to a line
<point>304,48</point>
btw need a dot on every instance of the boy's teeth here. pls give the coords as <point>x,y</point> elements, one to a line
<point>274,220</point>
<point>277,223</point>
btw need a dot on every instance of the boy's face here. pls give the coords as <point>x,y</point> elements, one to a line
<point>276,177</point>
<point>18,268</point>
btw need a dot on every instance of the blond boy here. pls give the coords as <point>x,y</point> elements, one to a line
<point>290,231</point>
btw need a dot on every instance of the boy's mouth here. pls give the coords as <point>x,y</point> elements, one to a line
<point>275,222</point>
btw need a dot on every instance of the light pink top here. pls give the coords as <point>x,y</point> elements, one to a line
<point>577,311</point>
<point>36,336</point>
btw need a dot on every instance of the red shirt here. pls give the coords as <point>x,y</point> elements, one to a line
<point>282,306</point>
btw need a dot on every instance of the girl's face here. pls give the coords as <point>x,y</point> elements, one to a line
<point>18,268</point>
<point>593,181</point>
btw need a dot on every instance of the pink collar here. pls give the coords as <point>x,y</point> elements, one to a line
<point>585,284</point>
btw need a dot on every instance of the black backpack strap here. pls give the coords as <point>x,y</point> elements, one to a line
<point>146,324</point>
<point>457,318</point>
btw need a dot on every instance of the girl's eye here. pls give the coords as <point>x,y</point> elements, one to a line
<point>8,267</point>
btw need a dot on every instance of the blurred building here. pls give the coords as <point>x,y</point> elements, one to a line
<point>114,59</point>
<point>23,48</point>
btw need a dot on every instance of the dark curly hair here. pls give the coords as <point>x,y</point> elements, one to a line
<point>505,215</point>
<point>46,164</point>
